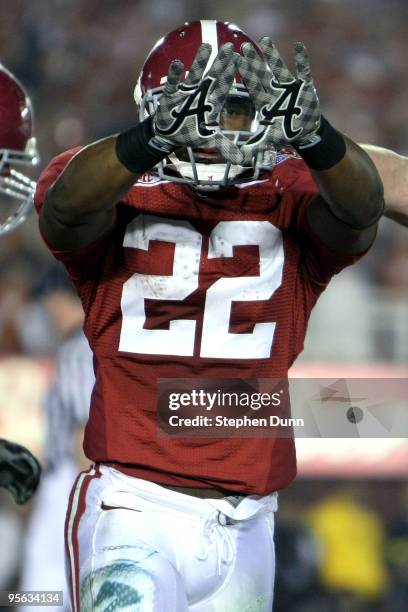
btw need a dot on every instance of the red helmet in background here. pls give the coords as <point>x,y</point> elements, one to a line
<point>17,148</point>
<point>183,44</point>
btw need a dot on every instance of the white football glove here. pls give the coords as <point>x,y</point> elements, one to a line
<point>288,106</point>
<point>188,111</point>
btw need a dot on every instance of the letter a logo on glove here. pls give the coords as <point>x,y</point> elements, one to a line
<point>285,106</point>
<point>188,112</point>
<point>288,106</point>
<point>195,105</point>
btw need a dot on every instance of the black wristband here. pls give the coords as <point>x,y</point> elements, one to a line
<point>327,152</point>
<point>134,151</point>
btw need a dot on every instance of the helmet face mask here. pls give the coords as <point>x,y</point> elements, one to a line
<point>18,150</point>
<point>201,168</point>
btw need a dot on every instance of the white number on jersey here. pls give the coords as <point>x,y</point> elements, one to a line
<point>217,340</point>
<point>179,338</point>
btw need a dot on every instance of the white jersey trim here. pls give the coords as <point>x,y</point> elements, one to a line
<point>70,535</point>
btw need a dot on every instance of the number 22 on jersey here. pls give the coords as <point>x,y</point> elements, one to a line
<point>216,341</point>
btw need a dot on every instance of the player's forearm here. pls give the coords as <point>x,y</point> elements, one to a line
<point>393,170</point>
<point>99,176</point>
<point>352,188</point>
<point>94,181</point>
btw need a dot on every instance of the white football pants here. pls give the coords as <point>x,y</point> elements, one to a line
<point>135,546</point>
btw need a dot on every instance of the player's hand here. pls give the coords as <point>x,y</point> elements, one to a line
<point>188,112</point>
<point>19,471</point>
<point>288,106</point>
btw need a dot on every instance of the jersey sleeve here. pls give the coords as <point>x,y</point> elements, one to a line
<point>319,261</point>
<point>80,263</point>
<point>50,174</point>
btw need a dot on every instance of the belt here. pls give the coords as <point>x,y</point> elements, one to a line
<point>203,493</point>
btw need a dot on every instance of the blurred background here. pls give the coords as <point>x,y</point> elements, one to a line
<point>342,535</point>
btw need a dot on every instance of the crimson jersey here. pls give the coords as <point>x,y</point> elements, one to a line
<point>187,286</point>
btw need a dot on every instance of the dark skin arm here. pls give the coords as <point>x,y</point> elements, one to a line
<point>80,206</point>
<point>351,191</point>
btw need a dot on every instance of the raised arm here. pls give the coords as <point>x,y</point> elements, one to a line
<point>80,205</point>
<point>345,214</point>
<point>393,170</point>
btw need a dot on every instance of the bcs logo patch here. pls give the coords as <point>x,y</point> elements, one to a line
<point>148,178</point>
<point>284,154</point>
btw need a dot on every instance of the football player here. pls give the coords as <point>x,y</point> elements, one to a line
<point>19,469</point>
<point>197,251</point>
